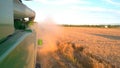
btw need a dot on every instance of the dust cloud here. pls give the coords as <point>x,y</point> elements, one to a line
<point>48,32</point>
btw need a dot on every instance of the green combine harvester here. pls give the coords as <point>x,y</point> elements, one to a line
<point>17,40</point>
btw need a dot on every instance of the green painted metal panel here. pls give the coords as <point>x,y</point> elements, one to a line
<point>18,50</point>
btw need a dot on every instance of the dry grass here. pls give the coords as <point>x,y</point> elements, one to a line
<point>76,47</point>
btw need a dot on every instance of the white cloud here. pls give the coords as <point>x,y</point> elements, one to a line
<point>88,8</point>
<point>63,2</point>
<point>112,2</point>
<point>96,9</point>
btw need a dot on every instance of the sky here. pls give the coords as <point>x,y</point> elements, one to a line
<point>77,12</point>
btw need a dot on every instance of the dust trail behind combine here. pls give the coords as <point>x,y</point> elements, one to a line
<point>48,32</point>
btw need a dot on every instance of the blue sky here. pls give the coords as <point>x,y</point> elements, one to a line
<point>77,11</point>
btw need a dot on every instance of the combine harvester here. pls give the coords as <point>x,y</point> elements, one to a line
<point>17,40</point>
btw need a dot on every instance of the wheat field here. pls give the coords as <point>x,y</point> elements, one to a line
<point>78,47</point>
